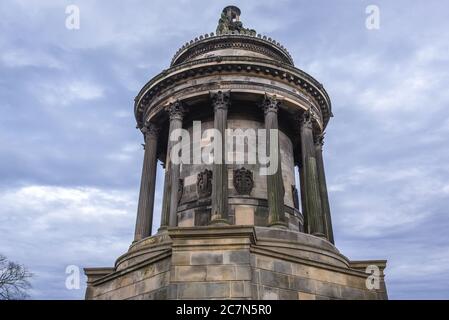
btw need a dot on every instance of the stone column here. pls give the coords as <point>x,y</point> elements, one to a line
<point>319,141</point>
<point>170,199</point>
<point>144,221</point>
<point>312,197</point>
<point>302,194</point>
<point>165,214</point>
<point>275,185</point>
<point>220,101</point>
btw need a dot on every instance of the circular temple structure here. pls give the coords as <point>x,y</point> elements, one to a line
<point>234,227</point>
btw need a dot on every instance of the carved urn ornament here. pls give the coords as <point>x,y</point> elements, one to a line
<point>243,181</point>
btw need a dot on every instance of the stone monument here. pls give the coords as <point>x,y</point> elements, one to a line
<point>227,230</point>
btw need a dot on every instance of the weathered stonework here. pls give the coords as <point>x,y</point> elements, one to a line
<point>204,184</point>
<point>197,177</point>
<point>227,231</point>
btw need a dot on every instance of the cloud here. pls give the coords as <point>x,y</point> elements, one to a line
<point>50,227</point>
<point>22,58</point>
<point>66,94</point>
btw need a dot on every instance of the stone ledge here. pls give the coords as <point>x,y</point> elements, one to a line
<point>291,258</point>
<point>94,274</point>
<point>361,265</point>
<point>211,232</point>
<point>295,77</point>
<point>131,258</point>
<point>137,266</point>
<point>160,238</point>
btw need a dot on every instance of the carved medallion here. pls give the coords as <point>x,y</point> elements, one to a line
<point>243,181</point>
<point>204,183</point>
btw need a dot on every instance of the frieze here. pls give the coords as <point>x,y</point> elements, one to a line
<point>301,85</point>
<point>224,85</point>
<point>236,84</point>
<point>189,66</point>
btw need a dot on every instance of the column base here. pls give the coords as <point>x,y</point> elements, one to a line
<point>320,235</point>
<point>219,222</point>
<point>278,224</point>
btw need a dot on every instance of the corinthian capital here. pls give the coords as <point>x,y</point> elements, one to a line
<point>270,104</point>
<point>319,139</point>
<point>176,110</point>
<point>221,100</point>
<point>150,130</point>
<point>306,118</point>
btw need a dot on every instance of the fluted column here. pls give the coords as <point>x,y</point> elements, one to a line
<point>275,185</point>
<point>319,141</point>
<point>144,221</point>
<point>165,214</point>
<point>220,101</point>
<point>170,199</point>
<point>302,194</point>
<point>311,192</point>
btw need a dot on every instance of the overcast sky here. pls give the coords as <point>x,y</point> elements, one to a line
<point>70,156</point>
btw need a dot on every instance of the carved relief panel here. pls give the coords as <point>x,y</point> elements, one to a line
<point>204,183</point>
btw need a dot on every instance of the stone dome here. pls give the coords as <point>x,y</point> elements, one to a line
<point>232,39</point>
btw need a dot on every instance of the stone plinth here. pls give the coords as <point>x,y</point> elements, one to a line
<point>233,262</point>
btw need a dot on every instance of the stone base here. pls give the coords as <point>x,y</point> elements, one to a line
<point>233,262</point>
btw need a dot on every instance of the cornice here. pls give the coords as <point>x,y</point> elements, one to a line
<point>296,78</point>
<point>202,87</point>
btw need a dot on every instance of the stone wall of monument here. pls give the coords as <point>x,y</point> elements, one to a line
<point>277,279</point>
<point>248,209</point>
<point>145,282</point>
<point>234,262</point>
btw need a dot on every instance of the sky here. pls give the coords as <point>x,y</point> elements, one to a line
<point>71,158</point>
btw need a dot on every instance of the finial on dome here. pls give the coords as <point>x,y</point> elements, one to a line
<point>230,21</point>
